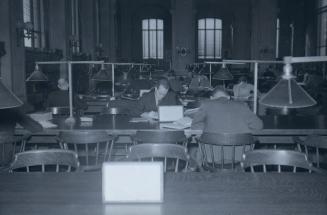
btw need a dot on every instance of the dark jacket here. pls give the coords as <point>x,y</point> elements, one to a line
<point>147,102</point>
<point>225,116</point>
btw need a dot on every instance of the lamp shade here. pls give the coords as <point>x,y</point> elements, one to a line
<point>223,74</point>
<point>102,75</point>
<point>37,75</point>
<point>287,94</point>
<point>7,98</point>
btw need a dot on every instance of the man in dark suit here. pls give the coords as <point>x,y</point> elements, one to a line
<point>147,105</point>
<point>222,115</point>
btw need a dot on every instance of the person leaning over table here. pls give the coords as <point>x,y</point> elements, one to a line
<point>147,105</point>
<point>243,89</point>
<point>222,115</point>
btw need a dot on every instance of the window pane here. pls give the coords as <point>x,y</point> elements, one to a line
<point>218,23</point>
<point>27,42</point>
<point>153,36</point>
<point>153,47</point>
<point>218,44</point>
<point>210,23</point>
<point>201,24</point>
<point>145,23</point>
<point>209,43</point>
<point>160,24</point>
<point>153,24</point>
<point>201,41</point>
<point>160,44</point>
<point>209,38</point>
<point>27,10</point>
<point>145,45</point>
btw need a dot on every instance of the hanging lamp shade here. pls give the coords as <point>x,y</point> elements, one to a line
<point>102,75</point>
<point>223,74</point>
<point>287,93</point>
<point>37,75</point>
<point>7,98</point>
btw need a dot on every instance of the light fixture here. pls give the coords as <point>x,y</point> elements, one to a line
<point>223,74</point>
<point>24,30</point>
<point>8,99</point>
<point>37,75</point>
<point>102,75</point>
<point>287,93</point>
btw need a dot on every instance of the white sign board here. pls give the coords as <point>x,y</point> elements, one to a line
<point>132,182</point>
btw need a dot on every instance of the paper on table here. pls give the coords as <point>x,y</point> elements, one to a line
<point>139,119</point>
<point>86,119</point>
<point>47,124</point>
<point>41,116</point>
<point>191,111</point>
<point>183,123</point>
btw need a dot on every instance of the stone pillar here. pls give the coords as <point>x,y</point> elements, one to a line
<point>183,35</point>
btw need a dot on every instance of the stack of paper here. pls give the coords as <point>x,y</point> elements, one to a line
<point>44,119</point>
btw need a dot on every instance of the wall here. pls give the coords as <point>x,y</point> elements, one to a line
<point>13,63</point>
<point>263,28</point>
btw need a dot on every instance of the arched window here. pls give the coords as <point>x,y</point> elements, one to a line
<point>152,34</point>
<point>209,38</point>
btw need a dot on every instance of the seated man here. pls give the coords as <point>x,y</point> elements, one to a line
<point>243,89</point>
<point>199,82</point>
<point>174,83</point>
<point>161,95</point>
<point>222,115</point>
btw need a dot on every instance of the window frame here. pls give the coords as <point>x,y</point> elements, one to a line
<point>216,56</point>
<point>38,36</point>
<point>157,30</point>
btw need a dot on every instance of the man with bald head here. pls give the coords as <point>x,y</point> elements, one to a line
<point>222,115</point>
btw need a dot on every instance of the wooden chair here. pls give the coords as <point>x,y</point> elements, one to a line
<point>160,136</point>
<point>175,157</point>
<point>42,160</point>
<point>40,141</point>
<point>265,160</point>
<point>313,146</point>
<point>92,147</point>
<point>10,145</point>
<point>120,149</point>
<point>213,148</point>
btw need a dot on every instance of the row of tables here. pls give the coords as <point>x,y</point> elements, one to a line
<point>184,193</point>
<point>275,125</point>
